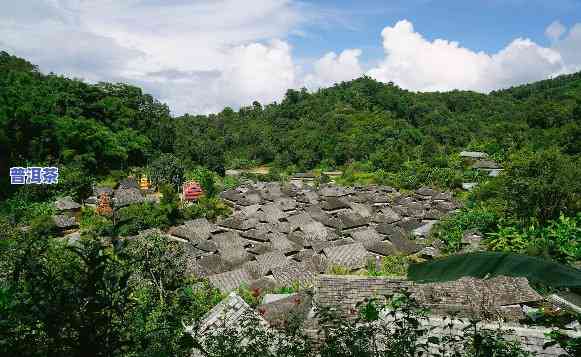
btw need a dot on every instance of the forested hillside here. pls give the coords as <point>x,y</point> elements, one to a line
<point>103,127</point>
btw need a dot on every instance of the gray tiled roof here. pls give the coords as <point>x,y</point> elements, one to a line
<point>259,248</point>
<point>276,309</point>
<point>386,215</point>
<point>66,204</point>
<point>213,264</point>
<point>351,256</point>
<point>485,164</point>
<point>362,209</point>
<point>409,224</point>
<point>230,280</point>
<point>299,220</point>
<point>404,245</point>
<point>192,232</point>
<point>280,242</point>
<point>271,260</point>
<point>367,236</point>
<point>332,191</point>
<point>286,203</point>
<point>383,248</point>
<point>228,239</point>
<point>99,190</point>
<point>272,213</point>
<point>125,197</point>
<point>351,220</point>
<point>316,231</point>
<point>310,197</point>
<point>474,154</point>
<point>293,272</point>
<point>235,256</point>
<point>259,232</point>
<point>426,191</point>
<point>207,245</point>
<point>303,254</point>
<point>425,229</point>
<point>239,222</point>
<point>250,198</point>
<point>317,213</point>
<point>333,203</point>
<point>463,296</point>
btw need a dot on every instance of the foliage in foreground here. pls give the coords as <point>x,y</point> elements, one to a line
<point>374,329</point>
<point>94,299</point>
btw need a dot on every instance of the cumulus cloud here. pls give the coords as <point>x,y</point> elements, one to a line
<point>199,56</point>
<point>555,30</point>
<point>570,49</point>
<point>333,68</point>
<point>415,63</point>
<point>225,52</point>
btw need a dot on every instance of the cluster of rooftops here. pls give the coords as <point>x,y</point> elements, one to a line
<point>279,235</point>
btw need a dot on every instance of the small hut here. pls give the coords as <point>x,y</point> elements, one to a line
<point>191,191</point>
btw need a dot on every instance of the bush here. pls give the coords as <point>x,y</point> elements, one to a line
<point>559,239</point>
<point>20,210</point>
<point>167,169</point>
<point>206,207</point>
<point>230,182</point>
<point>540,185</point>
<point>138,217</point>
<point>394,265</point>
<point>92,224</point>
<point>507,239</point>
<point>170,202</point>
<point>451,229</point>
<point>96,300</point>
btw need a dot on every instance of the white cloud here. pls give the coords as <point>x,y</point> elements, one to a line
<point>331,69</point>
<point>415,63</point>
<point>555,30</point>
<point>225,51</point>
<point>202,55</point>
<point>261,72</point>
<point>570,49</point>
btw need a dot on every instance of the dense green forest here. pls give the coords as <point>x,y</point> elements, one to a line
<point>105,297</point>
<point>98,128</point>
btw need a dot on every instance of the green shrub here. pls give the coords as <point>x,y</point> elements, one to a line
<point>21,211</point>
<point>451,229</point>
<point>206,207</point>
<point>92,224</point>
<point>230,182</point>
<point>394,265</point>
<point>338,270</point>
<point>170,202</point>
<point>131,300</point>
<point>74,182</point>
<point>540,185</point>
<point>166,169</point>
<point>135,218</point>
<point>564,237</point>
<point>252,297</point>
<point>507,239</point>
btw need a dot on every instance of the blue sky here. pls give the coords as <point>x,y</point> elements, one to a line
<point>479,25</point>
<point>202,55</point>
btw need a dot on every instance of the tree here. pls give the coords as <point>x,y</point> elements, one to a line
<point>167,169</point>
<point>541,184</point>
